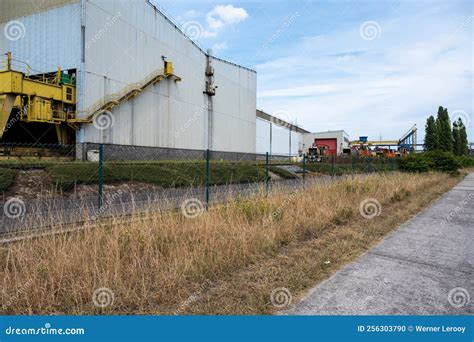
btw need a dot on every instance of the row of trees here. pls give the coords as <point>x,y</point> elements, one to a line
<point>440,136</point>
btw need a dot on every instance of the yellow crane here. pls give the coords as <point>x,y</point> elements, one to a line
<point>51,98</point>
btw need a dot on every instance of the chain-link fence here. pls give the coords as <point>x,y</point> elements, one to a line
<point>45,186</point>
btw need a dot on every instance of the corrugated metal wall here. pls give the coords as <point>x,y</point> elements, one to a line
<point>123,45</point>
<point>45,40</point>
<point>263,136</point>
<point>279,142</point>
<point>11,9</point>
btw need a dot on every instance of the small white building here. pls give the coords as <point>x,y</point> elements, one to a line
<point>334,141</point>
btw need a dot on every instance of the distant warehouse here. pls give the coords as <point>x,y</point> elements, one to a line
<point>141,86</point>
<point>278,137</point>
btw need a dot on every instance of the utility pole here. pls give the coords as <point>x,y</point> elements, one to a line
<point>210,91</point>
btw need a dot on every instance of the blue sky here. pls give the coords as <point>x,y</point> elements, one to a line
<point>369,67</point>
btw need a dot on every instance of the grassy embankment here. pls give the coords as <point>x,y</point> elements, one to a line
<point>226,261</point>
<point>167,174</point>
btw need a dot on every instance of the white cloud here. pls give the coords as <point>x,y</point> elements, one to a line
<point>222,16</point>
<point>339,81</point>
<point>225,15</point>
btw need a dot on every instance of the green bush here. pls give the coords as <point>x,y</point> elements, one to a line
<point>442,161</point>
<point>414,163</point>
<point>465,161</point>
<point>7,177</point>
<point>431,161</point>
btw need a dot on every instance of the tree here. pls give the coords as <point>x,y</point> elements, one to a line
<point>431,136</point>
<point>456,139</point>
<point>463,149</point>
<point>443,128</point>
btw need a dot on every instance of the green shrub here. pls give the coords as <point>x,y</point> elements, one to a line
<point>7,177</point>
<point>442,161</point>
<point>414,163</point>
<point>465,161</point>
<point>434,161</point>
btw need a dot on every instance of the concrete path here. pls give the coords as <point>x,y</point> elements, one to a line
<point>426,267</point>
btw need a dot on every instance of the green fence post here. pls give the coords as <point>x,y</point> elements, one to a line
<point>101,173</point>
<point>332,166</point>
<point>208,171</point>
<point>304,171</point>
<point>267,174</point>
<point>382,161</point>
<point>391,163</point>
<point>369,160</point>
<point>353,166</point>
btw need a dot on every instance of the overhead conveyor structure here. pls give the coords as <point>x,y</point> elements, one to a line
<point>50,98</point>
<point>408,141</point>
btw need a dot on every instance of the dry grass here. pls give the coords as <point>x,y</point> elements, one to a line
<point>225,261</point>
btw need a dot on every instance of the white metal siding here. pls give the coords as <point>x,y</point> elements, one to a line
<point>169,114</point>
<point>263,136</point>
<point>295,143</point>
<point>277,142</point>
<point>51,39</point>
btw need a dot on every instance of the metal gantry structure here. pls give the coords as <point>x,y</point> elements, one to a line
<point>408,141</point>
<point>51,97</point>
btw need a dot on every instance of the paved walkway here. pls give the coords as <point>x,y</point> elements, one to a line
<point>418,269</point>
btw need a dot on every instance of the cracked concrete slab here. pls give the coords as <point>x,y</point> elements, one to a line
<point>425,267</point>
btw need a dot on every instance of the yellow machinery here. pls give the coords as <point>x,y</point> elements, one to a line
<point>51,98</point>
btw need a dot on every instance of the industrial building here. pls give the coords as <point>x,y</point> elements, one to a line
<point>334,142</point>
<point>129,79</point>
<point>278,137</point>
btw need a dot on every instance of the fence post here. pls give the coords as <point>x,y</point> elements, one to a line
<point>101,173</point>
<point>382,161</point>
<point>208,171</point>
<point>391,163</point>
<point>332,166</point>
<point>304,171</point>
<point>353,166</point>
<point>369,160</point>
<point>267,176</point>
